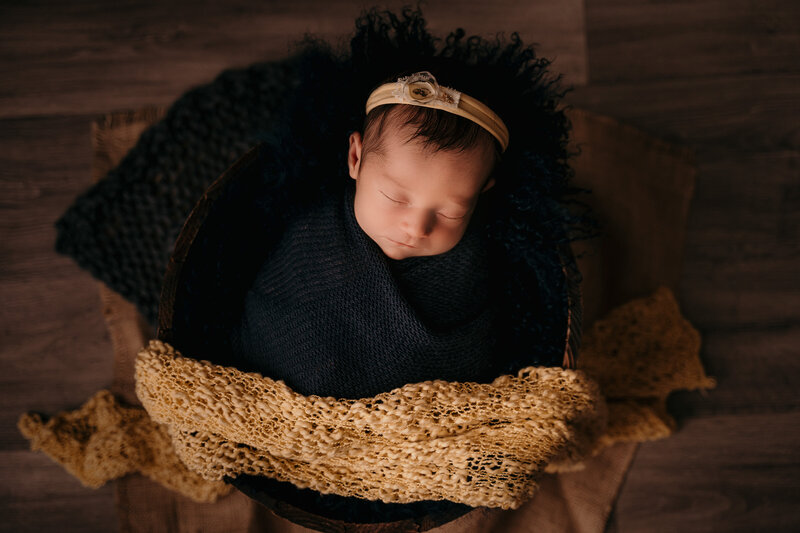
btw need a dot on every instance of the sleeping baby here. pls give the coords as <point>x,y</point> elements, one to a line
<point>388,282</point>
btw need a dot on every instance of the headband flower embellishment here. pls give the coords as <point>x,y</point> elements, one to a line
<point>422,88</point>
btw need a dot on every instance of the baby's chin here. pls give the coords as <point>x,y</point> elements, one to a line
<point>398,255</point>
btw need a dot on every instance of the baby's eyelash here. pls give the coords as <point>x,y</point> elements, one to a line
<point>392,199</point>
<point>399,202</point>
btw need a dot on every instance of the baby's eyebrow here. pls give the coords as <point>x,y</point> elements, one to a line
<point>460,200</point>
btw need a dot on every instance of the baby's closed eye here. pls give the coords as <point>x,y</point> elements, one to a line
<point>452,215</point>
<point>392,199</point>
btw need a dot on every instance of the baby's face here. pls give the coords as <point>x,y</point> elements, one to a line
<point>416,203</point>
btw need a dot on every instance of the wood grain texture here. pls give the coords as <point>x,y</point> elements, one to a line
<point>725,473</point>
<point>38,495</point>
<point>757,371</point>
<point>743,245</point>
<point>54,345</point>
<point>635,40</point>
<point>83,57</point>
<point>674,69</point>
<point>734,115</point>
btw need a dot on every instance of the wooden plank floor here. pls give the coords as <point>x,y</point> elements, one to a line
<point>723,78</point>
<point>720,76</point>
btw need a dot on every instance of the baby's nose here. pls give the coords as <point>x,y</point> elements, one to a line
<point>419,223</point>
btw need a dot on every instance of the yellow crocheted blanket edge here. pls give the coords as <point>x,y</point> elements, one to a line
<point>479,444</point>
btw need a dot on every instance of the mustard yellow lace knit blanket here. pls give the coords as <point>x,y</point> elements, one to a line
<point>479,444</point>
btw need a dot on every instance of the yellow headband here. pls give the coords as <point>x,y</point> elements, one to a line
<point>422,89</point>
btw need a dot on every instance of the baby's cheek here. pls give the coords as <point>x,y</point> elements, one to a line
<point>451,234</point>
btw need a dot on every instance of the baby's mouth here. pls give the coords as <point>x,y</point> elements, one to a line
<point>401,243</point>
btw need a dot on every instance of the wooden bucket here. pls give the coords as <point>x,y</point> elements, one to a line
<point>215,258</point>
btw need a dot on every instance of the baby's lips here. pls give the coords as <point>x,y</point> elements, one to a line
<point>402,243</point>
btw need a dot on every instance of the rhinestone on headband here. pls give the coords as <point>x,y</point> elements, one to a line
<point>422,88</point>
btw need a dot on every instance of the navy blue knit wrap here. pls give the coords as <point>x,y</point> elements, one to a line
<point>330,314</point>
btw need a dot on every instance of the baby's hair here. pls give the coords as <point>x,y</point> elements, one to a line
<point>434,129</point>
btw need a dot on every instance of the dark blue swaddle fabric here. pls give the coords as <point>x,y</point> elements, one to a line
<point>331,315</point>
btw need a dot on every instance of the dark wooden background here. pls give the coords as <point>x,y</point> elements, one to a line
<point>722,77</point>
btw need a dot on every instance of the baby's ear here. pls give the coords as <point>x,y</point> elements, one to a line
<point>354,154</point>
<point>489,185</point>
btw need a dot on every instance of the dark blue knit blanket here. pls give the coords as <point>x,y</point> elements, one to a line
<point>330,314</point>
